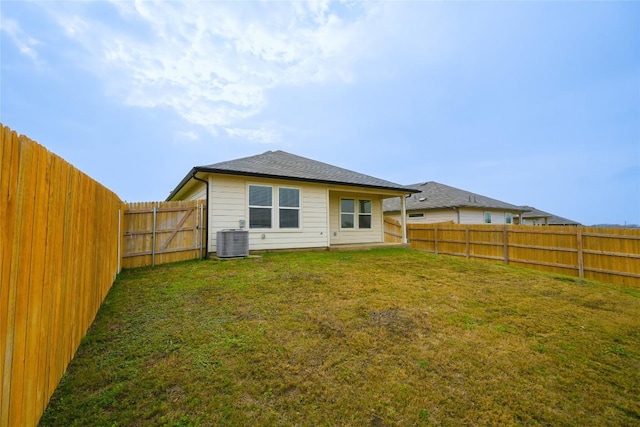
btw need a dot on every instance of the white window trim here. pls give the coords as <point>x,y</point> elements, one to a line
<point>369,214</point>
<point>249,206</point>
<point>299,209</point>
<point>356,214</point>
<point>275,209</point>
<point>508,215</point>
<point>484,218</point>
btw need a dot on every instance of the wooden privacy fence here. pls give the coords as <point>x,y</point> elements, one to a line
<point>58,259</point>
<point>161,232</point>
<point>392,231</point>
<point>605,254</point>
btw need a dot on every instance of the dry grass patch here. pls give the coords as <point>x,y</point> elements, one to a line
<point>380,338</point>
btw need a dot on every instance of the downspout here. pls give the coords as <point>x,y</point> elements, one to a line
<point>206,217</point>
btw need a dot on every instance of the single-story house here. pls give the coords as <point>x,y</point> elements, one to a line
<point>533,216</point>
<point>434,202</point>
<point>285,201</point>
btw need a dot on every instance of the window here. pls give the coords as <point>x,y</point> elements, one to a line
<point>347,213</point>
<point>260,206</point>
<point>364,214</point>
<point>289,207</point>
<point>487,217</point>
<point>508,218</point>
<point>416,215</point>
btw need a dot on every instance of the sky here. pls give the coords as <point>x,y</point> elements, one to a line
<point>530,103</point>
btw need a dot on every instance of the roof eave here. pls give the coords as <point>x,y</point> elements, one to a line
<point>463,206</point>
<point>188,177</point>
<point>205,169</point>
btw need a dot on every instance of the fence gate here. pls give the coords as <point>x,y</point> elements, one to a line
<point>162,232</point>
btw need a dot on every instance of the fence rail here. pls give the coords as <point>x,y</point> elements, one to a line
<point>611,255</point>
<point>58,259</point>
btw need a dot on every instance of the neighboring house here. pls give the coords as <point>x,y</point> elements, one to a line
<point>286,201</point>
<point>533,216</point>
<point>435,202</point>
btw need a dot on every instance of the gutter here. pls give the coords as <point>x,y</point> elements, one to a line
<point>206,218</point>
<point>283,177</point>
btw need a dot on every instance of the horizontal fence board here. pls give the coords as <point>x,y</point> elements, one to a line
<point>613,254</point>
<point>160,252</point>
<point>611,236</point>
<point>150,232</point>
<point>543,248</point>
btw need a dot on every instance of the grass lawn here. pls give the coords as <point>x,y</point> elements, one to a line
<point>372,338</point>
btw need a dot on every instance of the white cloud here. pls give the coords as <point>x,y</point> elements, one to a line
<point>265,134</point>
<point>186,136</point>
<point>213,63</point>
<point>25,43</point>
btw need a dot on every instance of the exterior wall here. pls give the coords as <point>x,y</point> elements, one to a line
<point>228,199</point>
<point>472,216</point>
<point>353,236</point>
<point>319,213</point>
<point>430,216</point>
<point>534,221</point>
<point>466,216</point>
<point>197,192</point>
<point>476,216</point>
<point>436,215</point>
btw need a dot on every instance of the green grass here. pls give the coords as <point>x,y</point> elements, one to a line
<point>371,338</point>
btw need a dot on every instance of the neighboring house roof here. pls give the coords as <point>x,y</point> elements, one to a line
<point>433,195</point>
<point>282,165</point>
<point>532,213</point>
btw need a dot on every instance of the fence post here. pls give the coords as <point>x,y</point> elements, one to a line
<point>467,235</point>
<point>201,236</point>
<point>505,240</point>
<point>153,239</point>
<point>580,254</point>
<point>435,239</point>
<point>119,240</point>
<point>199,231</point>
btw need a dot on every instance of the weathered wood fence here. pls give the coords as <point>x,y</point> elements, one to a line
<point>610,255</point>
<point>161,232</point>
<point>58,259</point>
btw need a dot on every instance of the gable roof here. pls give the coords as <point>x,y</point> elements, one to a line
<point>433,195</point>
<point>551,218</point>
<point>282,165</point>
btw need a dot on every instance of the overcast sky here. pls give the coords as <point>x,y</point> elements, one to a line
<point>531,103</point>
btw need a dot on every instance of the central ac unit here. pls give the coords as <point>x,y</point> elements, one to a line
<point>232,243</point>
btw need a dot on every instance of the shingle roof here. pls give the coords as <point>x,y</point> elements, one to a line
<point>551,218</point>
<point>433,195</point>
<point>283,165</point>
